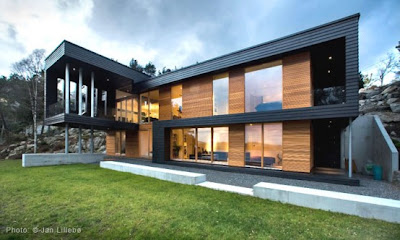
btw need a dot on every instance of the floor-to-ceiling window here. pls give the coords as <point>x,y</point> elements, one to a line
<point>220,144</point>
<point>126,107</point>
<point>73,97</point>
<point>176,101</point>
<point>212,144</point>
<point>272,145</point>
<point>253,144</point>
<point>84,99</point>
<point>263,87</point>
<point>221,94</point>
<point>149,106</point>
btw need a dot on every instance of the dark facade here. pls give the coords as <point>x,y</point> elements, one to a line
<point>179,115</point>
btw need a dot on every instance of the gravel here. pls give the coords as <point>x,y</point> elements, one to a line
<point>368,186</point>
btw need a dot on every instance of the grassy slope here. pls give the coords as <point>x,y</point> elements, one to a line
<point>119,205</point>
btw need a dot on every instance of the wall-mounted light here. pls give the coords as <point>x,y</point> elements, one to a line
<point>108,80</point>
<point>329,71</point>
<point>73,69</point>
<point>330,57</point>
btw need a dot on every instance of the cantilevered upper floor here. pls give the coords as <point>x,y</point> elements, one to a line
<point>311,74</point>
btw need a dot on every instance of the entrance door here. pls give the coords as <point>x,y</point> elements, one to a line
<point>327,142</point>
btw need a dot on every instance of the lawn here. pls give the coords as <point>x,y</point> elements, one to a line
<point>108,204</point>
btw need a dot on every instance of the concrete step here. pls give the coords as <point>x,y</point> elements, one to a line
<point>155,172</point>
<point>352,204</point>
<point>227,188</point>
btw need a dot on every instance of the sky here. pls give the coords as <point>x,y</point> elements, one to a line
<point>178,33</point>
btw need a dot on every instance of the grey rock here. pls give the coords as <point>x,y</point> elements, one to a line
<point>390,89</point>
<point>394,95</point>
<point>380,103</point>
<point>372,93</point>
<point>395,107</point>
<point>393,133</point>
<point>396,178</point>
<point>391,100</point>
<point>387,117</point>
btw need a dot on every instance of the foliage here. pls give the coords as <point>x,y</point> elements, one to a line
<point>360,80</point>
<point>135,65</point>
<point>391,63</point>
<point>150,69</point>
<point>107,204</point>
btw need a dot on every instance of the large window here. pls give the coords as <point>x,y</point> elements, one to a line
<point>253,144</point>
<point>72,98</point>
<point>263,145</point>
<point>221,94</point>
<point>84,99</point>
<point>149,106</point>
<point>263,87</point>
<point>126,106</point>
<point>220,144</point>
<point>273,145</point>
<point>60,90</point>
<point>212,144</point>
<point>176,101</point>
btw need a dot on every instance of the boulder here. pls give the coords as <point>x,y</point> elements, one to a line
<point>387,117</point>
<point>393,95</point>
<point>391,88</point>
<point>371,93</point>
<point>395,107</point>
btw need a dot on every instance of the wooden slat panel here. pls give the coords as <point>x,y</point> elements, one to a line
<point>165,103</point>
<point>197,97</point>
<point>236,145</point>
<point>236,91</point>
<point>110,143</point>
<point>297,151</point>
<point>132,144</point>
<point>297,89</point>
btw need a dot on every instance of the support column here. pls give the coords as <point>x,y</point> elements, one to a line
<point>80,140</point>
<point>80,91</point>
<point>350,150</point>
<point>91,140</point>
<point>92,94</point>
<point>67,88</point>
<point>66,138</point>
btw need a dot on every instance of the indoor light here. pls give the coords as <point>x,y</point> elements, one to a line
<point>330,58</point>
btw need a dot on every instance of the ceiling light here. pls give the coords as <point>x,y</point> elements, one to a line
<point>73,69</point>
<point>329,71</point>
<point>330,57</point>
<point>108,80</point>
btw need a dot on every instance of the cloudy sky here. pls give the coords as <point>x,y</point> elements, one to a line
<point>181,32</point>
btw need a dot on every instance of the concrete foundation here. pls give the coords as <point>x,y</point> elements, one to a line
<point>370,144</point>
<point>48,159</point>
<point>352,204</point>
<point>159,173</point>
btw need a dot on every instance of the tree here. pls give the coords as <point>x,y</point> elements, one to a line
<point>135,65</point>
<point>31,70</point>
<point>389,64</point>
<point>164,70</point>
<point>150,69</point>
<point>360,80</point>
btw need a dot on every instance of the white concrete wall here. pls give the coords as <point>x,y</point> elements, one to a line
<point>370,143</point>
<point>47,159</point>
<point>155,172</point>
<point>352,204</point>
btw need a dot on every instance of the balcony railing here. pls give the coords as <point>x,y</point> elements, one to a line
<point>329,95</point>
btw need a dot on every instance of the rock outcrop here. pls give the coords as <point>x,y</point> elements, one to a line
<point>385,102</point>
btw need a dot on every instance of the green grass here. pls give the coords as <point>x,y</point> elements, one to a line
<point>109,204</point>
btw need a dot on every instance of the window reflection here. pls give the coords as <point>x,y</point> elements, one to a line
<point>220,144</point>
<point>149,106</point>
<point>263,87</point>
<point>176,101</point>
<point>273,145</point>
<point>204,144</point>
<point>253,144</point>
<point>221,94</point>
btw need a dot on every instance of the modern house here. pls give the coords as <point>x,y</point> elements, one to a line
<point>278,105</point>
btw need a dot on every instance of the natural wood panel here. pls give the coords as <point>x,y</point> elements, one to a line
<point>165,103</point>
<point>132,144</point>
<point>236,91</point>
<point>110,143</point>
<point>297,151</point>
<point>197,97</point>
<point>297,85</point>
<point>236,145</point>
<point>145,126</point>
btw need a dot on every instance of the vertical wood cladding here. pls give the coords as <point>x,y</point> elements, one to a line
<point>236,91</point>
<point>296,81</point>
<point>165,103</point>
<point>297,149</point>
<point>236,145</point>
<point>197,97</point>
<point>110,143</point>
<point>132,144</point>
